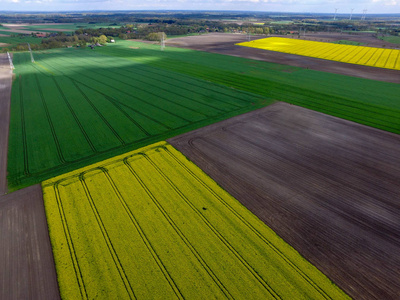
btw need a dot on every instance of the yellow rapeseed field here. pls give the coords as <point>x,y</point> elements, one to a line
<point>149,224</point>
<point>360,55</point>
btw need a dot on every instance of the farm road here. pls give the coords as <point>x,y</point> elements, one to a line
<point>26,259</point>
<point>327,186</point>
<point>5,95</point>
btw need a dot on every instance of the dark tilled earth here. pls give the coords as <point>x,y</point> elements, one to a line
<point>224,43</point>
<point>5,94</point>
<point>26,260</point>
<point>327,186</point>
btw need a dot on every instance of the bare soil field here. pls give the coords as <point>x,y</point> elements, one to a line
<point>22,31</point>
<point>327,186</point>
<point>368,39</point>
<point>26,258</point>
<point>4,45</point>
<point>31,24</point>
<point>57,29</point>
<point>224,43</point>
<point>5,98</point>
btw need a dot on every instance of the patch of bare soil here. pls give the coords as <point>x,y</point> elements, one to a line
<point>367,39</point>
<point>224,43</point>
<point>5,98</point>
<point>4,45</point>
<point>327,186</point>
<point>22,31</point>
<point>57,29</point>
<point>26,258</point>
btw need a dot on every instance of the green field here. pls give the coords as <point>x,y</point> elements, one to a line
<point>15,40</point>
<point>368,102</point>
<point>72,26</point>
<point>347,42</point>
<point>74,107</point>
<point>150,224</point>
<point>391,39</point>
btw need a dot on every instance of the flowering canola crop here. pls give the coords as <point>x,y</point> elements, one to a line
<point>150,224</point>
<point>360,55</point>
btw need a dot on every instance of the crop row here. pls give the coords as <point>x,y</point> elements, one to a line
<point>354,105</point>
<point>178,235</point>
<point>63,116</point>
<point>368,56</point>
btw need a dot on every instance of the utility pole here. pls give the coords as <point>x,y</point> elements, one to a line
<point>30,50</point>
<point>351,13</point>
<point>10,60</point>
<point>162,41</point>
<point>363,16</point>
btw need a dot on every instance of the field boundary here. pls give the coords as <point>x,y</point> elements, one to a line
<point>328,51</point>
<point>326,185</point>
<point>26,257</point>
<point>5,105</point>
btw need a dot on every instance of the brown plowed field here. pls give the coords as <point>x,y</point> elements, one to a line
<point>26,260</point>
<point>224,43</point>
<point>5,97</point>
<point>327,186</point>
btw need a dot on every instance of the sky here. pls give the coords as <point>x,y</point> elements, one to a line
<point>314,6</point>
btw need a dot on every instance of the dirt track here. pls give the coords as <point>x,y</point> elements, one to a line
<point>327,186</point>
<point>224,43</point>
<point>26,259</point>
<point>5,95</point>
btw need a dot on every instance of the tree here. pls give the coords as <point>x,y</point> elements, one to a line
<point>102,39</point>
<point>122,36</point>
<point>153,36</point>
<point>82,43</point>
<point>259,30</point>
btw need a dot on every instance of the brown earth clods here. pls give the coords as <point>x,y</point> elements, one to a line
<point>5,96</point>
<point>224,43</point>
<point>327,186</point>
<point>26,258</point>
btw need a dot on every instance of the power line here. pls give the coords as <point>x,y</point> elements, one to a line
<point>351,14</point>
<point>162,41</point>
<point>363,16</point>
<point>30,50</point>
<point>10,60</point>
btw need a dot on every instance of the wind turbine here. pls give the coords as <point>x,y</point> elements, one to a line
<point>334,18</point>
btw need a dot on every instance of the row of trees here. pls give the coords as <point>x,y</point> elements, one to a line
<point>61,40</point>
